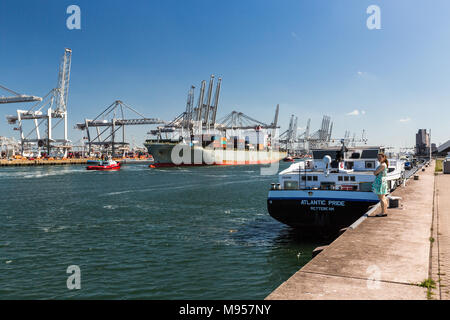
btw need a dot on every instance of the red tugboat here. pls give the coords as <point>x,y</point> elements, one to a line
<point>105,165</point>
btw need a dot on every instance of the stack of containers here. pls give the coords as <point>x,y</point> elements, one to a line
<point>260,140</point>
<point>215,142</point>
<point>238,144</point>
<point>241,144</point>
<point>223,142</point>
<point>230,143</point>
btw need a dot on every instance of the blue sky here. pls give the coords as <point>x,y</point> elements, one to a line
<point>312,57</point>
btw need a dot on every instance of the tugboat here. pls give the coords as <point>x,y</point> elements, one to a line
<point>105,165</point>
<point>330,191</point>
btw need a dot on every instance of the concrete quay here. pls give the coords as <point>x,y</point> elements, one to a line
<point>41,162</point>
<point>441,235</point>
<point>384,258</point>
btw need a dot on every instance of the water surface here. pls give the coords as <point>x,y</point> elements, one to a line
<point>141,233</point>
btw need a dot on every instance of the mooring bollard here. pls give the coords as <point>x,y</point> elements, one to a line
<point>394,202</point>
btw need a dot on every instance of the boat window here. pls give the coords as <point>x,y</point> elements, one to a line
<point>339,178</point>
<point>355,155</point>
<point>327,185</point>
<point>309,178</point>
<point>370,164</point>
<point>369,154</point>
<point>319,154</point>
<point>365,186</point>
<point>349,165</point>
<point>314,178</point>
<point>291,185</point>
<point>303,178</point>
<point>346,178</point>
<point>352,178</point>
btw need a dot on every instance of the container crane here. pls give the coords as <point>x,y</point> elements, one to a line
<point>17,97</point>
<point>52,106</point>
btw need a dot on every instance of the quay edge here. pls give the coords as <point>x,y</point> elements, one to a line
<point>383,258</point>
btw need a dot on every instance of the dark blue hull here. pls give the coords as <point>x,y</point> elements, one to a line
<point>312,213</point>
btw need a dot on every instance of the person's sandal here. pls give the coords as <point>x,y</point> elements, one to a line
<point>381,215</point>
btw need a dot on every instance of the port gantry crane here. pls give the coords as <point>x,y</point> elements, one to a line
<point>289,137</point>
<point>322,137</point>
<point>197,118</point>
<point>236,121</point>
<point>52,106</point>
<point>239,120</point>
<point>295,143</point>
<point>17,97</point>
<point>9,146</point>
<point>201,118</point>
<point>111,120</point>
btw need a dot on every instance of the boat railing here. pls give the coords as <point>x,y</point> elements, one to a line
<point>277,187</point>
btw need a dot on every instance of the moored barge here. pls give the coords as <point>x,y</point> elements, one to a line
<point>330,191</point>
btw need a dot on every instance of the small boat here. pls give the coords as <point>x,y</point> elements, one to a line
<point>105,165</point>
<point>288,159</point>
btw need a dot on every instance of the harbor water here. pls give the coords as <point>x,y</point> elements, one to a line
<point>141,233</point>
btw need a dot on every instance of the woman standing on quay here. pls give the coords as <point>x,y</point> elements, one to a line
<point>379,186</point>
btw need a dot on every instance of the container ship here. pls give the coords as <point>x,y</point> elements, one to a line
<point>195,138</point>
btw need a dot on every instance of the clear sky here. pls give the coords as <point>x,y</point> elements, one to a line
<point>314,58</point>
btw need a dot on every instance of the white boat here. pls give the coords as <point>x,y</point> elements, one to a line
<point>332,190</point>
